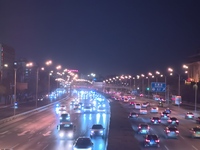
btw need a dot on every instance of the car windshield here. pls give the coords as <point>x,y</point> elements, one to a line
<point>65,115</point>
<point>196,129</point>
<point>155,118</point>
<point>138,104</point>
<point>66,127</point>
<point>97,127</point>
<point>152,137</point>
<point>189,113</point>
<point>172,129</point>
<point>143,125</point>
<point>173,118</point>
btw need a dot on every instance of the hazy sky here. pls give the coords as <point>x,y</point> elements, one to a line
<point>104,37</point>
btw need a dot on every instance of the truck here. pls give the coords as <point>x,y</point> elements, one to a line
<point>176,99</point>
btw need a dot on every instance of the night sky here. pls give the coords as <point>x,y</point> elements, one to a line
<point>104,37</point>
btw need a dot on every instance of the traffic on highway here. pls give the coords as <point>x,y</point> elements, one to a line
<point>78,122</point>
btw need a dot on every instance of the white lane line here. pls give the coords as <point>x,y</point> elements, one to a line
<point>194,147</point>
<point>14,146</point>
<point>166,147</point>
<point>45,147</point>
<point>182,137</point>
<point>4,132</point>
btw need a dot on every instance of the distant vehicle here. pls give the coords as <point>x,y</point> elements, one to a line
<point>143,111</point>
<point>151,140</point>
<point>198,120</point>
<point>83,143</point>
<point>126,100</point>
<point>168,110</point>
<point>173,121</point>
<point>64,118</point>
<point>177,99</point>
<point>97,130</point>
<point>133,115</point>
<point>195,132</point>
<point>189,115</point>
<point>101,109</point>
<point>72,102</point>
<point>132,103</point>
<point>77,106</point>
<point>160,104</point>
<point>143,128</point>
<point>62,107</point>
<point>41,98</point>
<point>164,115</point>
<point>87,109</point>
<point>155,120</point>
<point>171,132</point>
<point>137,106</point>
<point>146,104</point>
<point>154,110</point>
<point>66,130</point>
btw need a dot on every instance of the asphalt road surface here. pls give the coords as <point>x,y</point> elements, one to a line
<point>39,131</point>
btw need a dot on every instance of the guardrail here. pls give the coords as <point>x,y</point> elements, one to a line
<point>28,112</point>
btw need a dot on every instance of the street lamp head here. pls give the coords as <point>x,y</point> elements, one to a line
<point>29,64</point>
<point>170,69</point>
<point>49,62</point>
<point>150,74</point>
<point>157,72</point>
<point>185,66</point>
<point>142,75</point>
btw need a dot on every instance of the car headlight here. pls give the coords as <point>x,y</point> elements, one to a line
<point>101,132</point>
<point>61,134</point>
<point>60,117</point>
<point>70,134</point>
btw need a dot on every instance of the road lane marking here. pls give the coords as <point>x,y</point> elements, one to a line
<point>4,132</point>
<point>14,146</point>
<point>45,147</point>
<point>166,147</point>
<point>182,137</point>
<point>194,147</point>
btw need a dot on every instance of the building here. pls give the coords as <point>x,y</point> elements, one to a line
<point>193,64</point>
<point>6,61</point>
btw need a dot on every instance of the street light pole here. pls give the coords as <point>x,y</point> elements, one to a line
<point>36,90</point>
<point>49,83</point>
<point>15,87</point>
<point>195,88</point>
<point>179,82</point>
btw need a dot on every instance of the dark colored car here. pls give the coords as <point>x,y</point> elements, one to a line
<point>83,143</point>
<point>164,115</point>
<point>143,129</point>
<point>171,131</point>
<point>155,120</point>
<point>168,111</point>
<point>133,115</point>
<point>64,118</point>
<point>195,132</point>
<point>151,140</point>
<point>97,130</point>
<point>173,121</point>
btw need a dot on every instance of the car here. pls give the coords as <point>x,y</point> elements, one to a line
<point>189,115</point>
<point>133,115</point>
<point>63,107</point>
<point>143,111</point>
<point>164,115</point>
<point>97,130</point>
<point>132,103</point>
<point>155,120</point>
<point>87,108</point>
<point>66,130</point>
<point>171,131</point>
<point>168,111</point>
<point>83,143</point>
<point>198,120</point>
<point>72,102</point>
<point>138,106</point>
<point>41,98</point>
<point>146,104</point>
<point>77,106</point>
<point>173,121</point>
<point>126,100</point>
<point>154,110</point>
<point>101,109</point>
<point>143,128</point>
<point>163,100</point>
<point>195,132</point>
<point>64,118</point>
<point>151,140</point>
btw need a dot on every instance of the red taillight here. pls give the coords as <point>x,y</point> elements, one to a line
<point>147,140</point>
<point>152,120</point>
<point>139,127</point>
<point>177,131</point>
<point>177,121</point>
<point>157,141</point>
<point>159,120</point>
<point>169,121</point>
<point>168,131</point>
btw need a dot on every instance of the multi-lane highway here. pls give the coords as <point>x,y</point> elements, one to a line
<point>39,131</point>
<point>183,142</point>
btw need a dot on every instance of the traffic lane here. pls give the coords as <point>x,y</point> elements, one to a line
<point>20,133</point>
<point>83,122</point>
<point>159,130</point>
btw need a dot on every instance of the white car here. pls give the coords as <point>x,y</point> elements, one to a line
<point>146,104</point>
<point>154,110</point>
<point>138,106</point>
<point>143,111</point>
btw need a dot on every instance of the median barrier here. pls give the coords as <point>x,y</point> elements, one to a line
<point>28,112</point>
